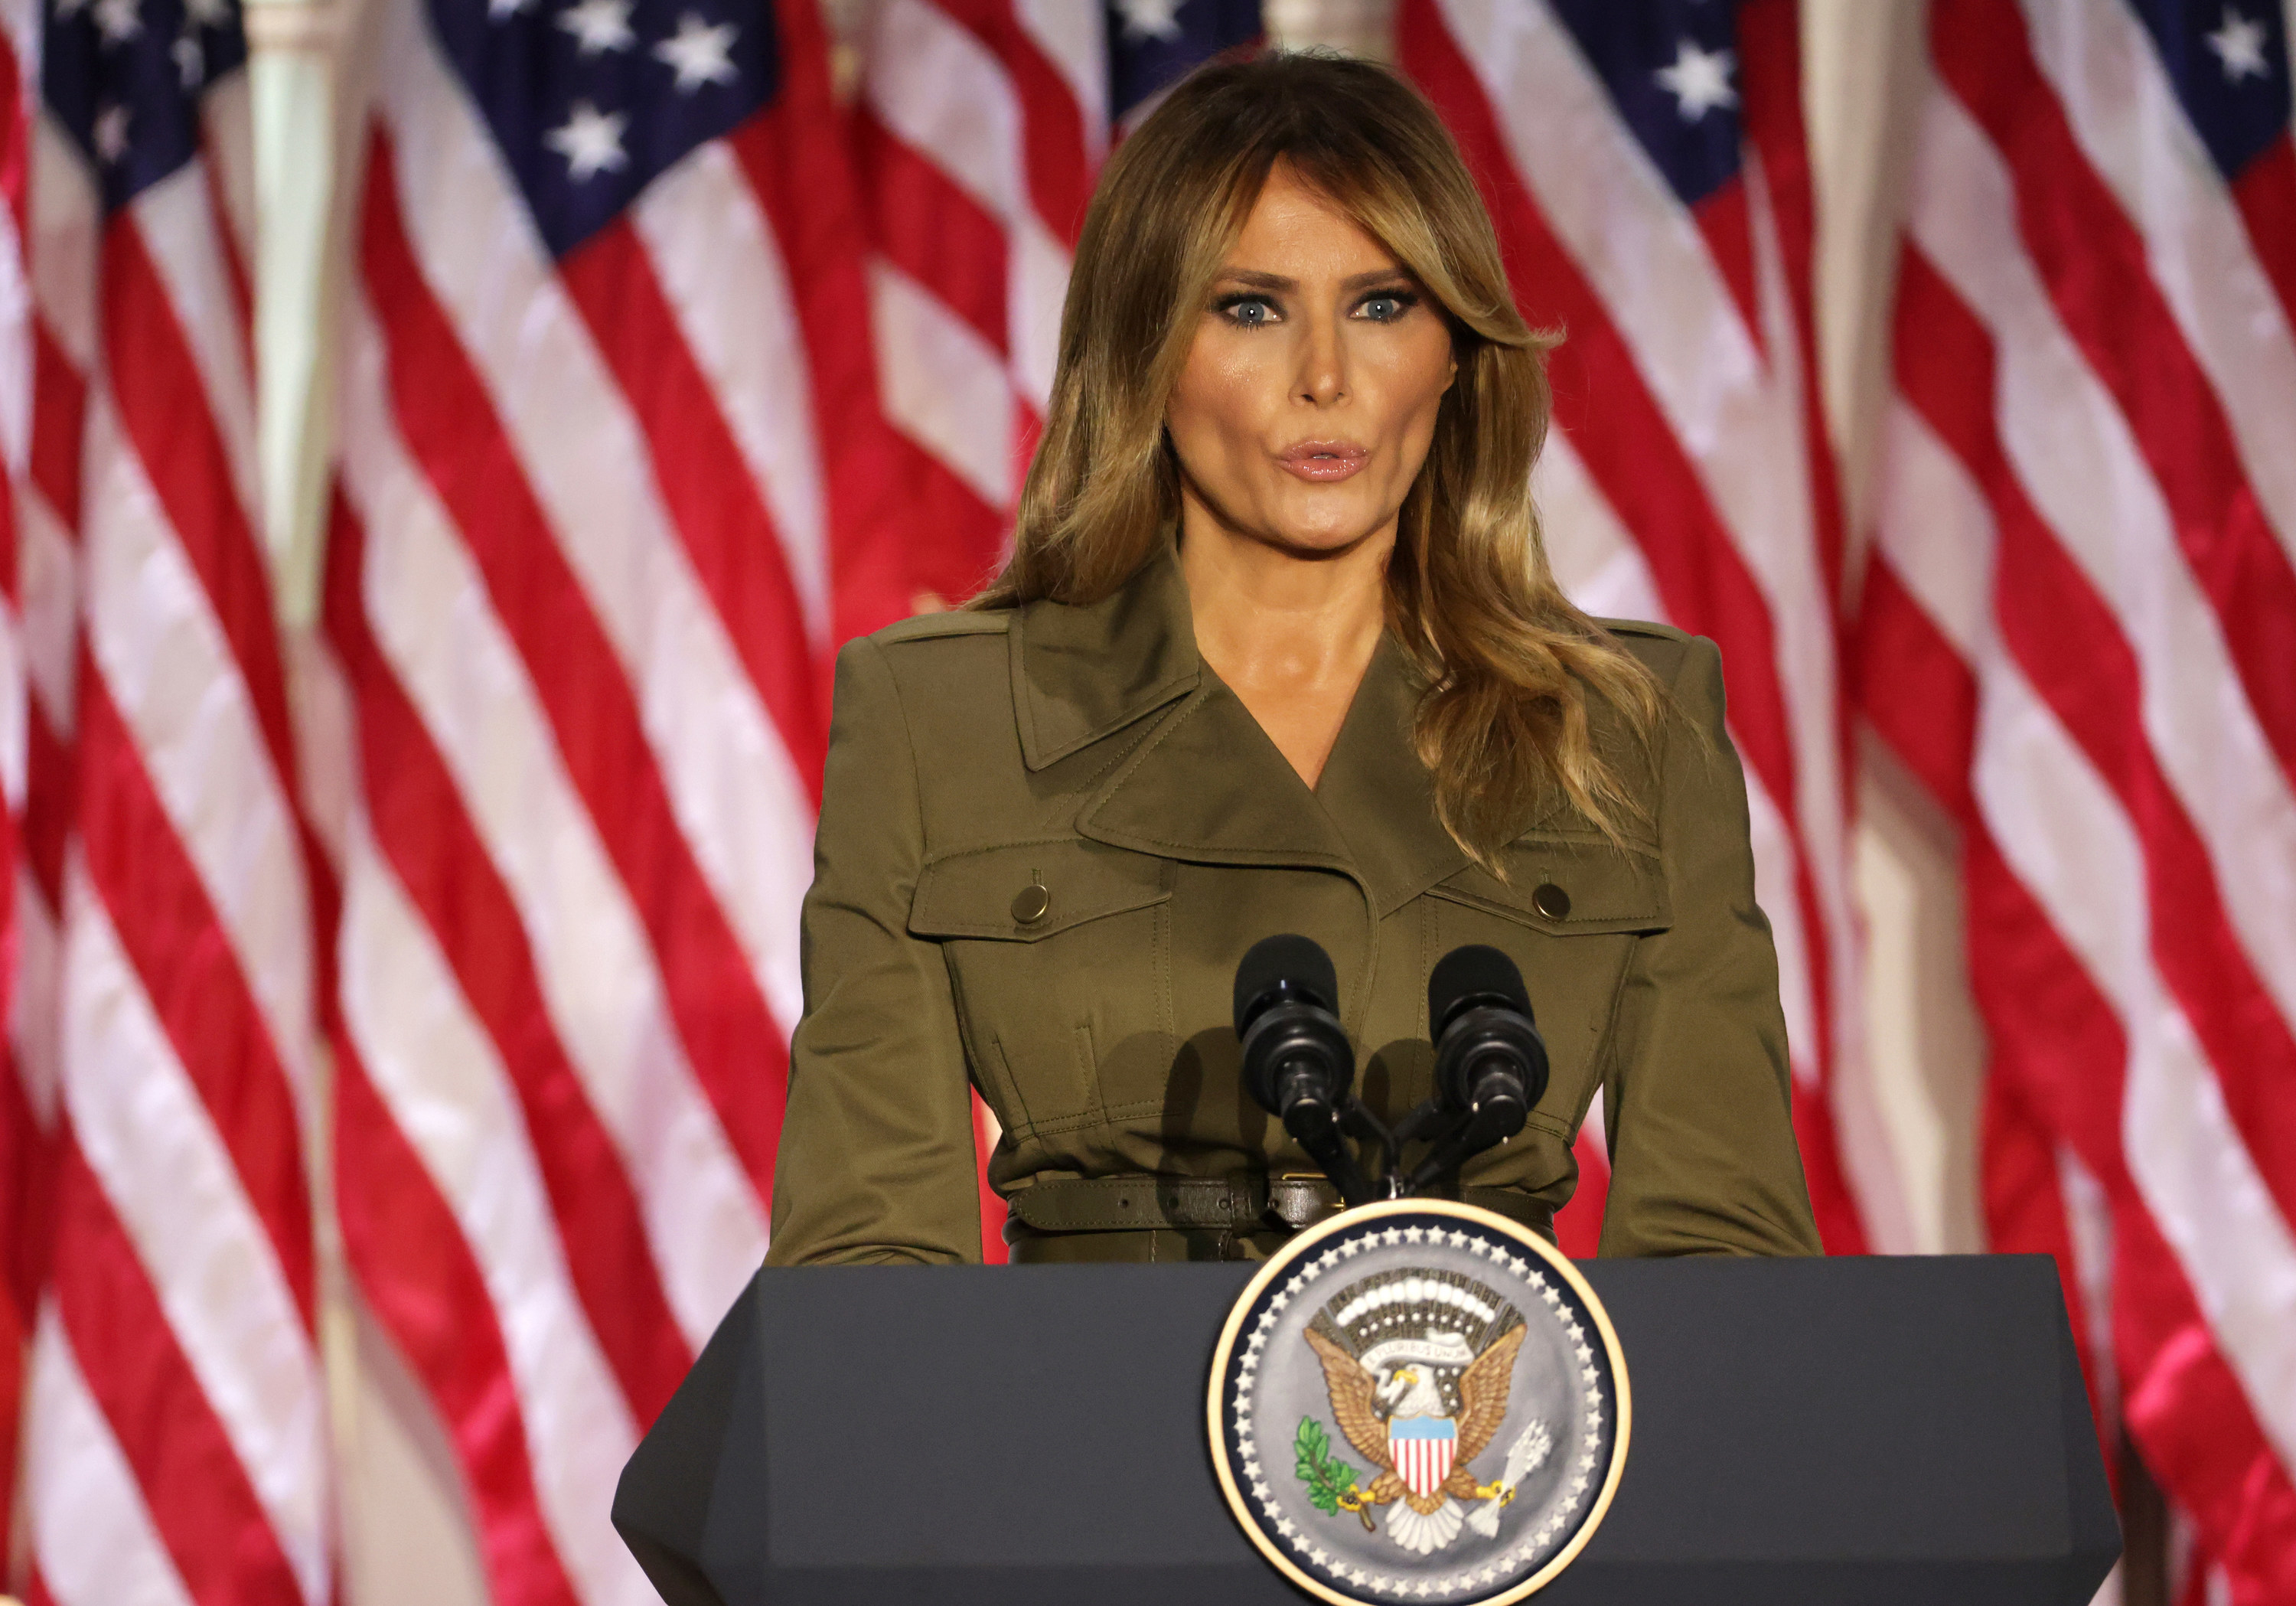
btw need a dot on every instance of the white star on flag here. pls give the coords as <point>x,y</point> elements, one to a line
<point>698,52</point>
<point>209,13</point>
<point>502,11</point>
<point>1150,19</point>
<point>112,133</point>
<point>1700,79</point>
<point>2239,44</point>
<point>599,25</point>
<point>116,22</point>
<point>591,141</point>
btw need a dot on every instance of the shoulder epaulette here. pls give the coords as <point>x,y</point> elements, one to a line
<point>1643,627</point>
<point>927,626</point>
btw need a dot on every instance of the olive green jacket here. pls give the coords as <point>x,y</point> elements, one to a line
<point>1090,752</point>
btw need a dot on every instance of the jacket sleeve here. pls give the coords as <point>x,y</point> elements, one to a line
<point>876,1161</point>
<point>1697,1097</point>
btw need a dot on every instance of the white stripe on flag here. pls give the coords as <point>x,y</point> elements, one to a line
<point>2064,832</point>
<point>170,670</point>
<point>437,1073</point>
<point>719,755</point>
<point>2124,113</point>
<point>945,387</point>
<point>722,270</point>
<point>172,220</point>
<point>944,94</point>
<point>210,1261</point>
<point>89,1525</point>
<point>434,626</point>
<point>2072,450</point>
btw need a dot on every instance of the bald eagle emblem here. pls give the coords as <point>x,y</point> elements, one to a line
<point>1419,1364</point>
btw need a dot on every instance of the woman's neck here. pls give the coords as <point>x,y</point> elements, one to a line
<point>1291,635</point>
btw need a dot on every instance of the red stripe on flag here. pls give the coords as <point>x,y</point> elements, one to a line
<point>1769,47</point>
<point>2052,1032</point>
<point>418,1273</point>
<point>2072,651</point>
<point>185,964</point>
<point>794,157</point>
<point>704,481</point>
<point>215,1530</point>
<point>935,233</point>
<point>2266,195</point>
<point>1915,688</point>
<point>163,410</point>
<point>2093,261</point>
<point>1723,222</point>
<point>451,429</point>
<point>59,422</point>
<point>423,831</point>
<point>1053,150</point>
<point>51,788</point>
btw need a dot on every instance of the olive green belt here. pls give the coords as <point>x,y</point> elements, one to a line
<point>1139,1202</point>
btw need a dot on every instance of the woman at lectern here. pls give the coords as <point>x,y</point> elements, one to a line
<point>1278,649</point>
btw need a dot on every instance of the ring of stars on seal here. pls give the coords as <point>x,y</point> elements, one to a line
<point>1416,1401</point>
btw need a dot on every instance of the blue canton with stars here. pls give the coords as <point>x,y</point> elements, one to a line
<point>1671,67</point>
<point>1151,44</point>
<point>2229,64</point>
<point>124,77</point>
<point>590,99</point>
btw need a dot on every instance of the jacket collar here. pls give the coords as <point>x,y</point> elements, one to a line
<point>1206,785</point>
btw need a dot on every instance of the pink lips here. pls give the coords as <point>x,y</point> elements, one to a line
<point>1325,460</point>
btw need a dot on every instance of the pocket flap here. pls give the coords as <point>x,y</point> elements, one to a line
<point>992,891</point>
<point>1565,885</point>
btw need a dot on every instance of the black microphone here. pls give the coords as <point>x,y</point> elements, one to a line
<point>1490,1062</point>
<point>1297,1064</point>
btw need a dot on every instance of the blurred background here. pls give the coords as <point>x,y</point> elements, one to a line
<point>446,442</point>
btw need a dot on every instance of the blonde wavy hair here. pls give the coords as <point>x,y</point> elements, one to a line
<point>1507,662</point>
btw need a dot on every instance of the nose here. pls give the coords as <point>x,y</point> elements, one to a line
<point>1322,380</point>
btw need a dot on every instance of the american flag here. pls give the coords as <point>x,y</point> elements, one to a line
<point>1646,168</point>
<point>2080,633</point>
<point>982,126</point>
<point>21,1135</point>
<point>612,487</point>
<point>176,1439</point>
<point>981,131</point>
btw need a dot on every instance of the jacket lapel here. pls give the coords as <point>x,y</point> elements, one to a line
<point>1082,673</point>
<point>1378,793</point>
<point>1206,785</point>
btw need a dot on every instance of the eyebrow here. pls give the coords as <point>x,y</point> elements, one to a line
<point>1276,281</point>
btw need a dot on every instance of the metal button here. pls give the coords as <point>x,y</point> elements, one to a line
<point>1031,905</point>
<point>1550,901</point>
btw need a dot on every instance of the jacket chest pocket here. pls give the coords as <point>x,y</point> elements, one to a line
<point>1060,952</point>
<point>1570,914</point>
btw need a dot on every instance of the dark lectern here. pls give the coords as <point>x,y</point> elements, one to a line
<point>1861,1431</point>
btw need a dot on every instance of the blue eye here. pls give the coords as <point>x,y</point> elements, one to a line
<point>1387,306</point>
<point>1250,312</point>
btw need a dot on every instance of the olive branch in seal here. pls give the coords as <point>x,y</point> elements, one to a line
<point>1330,1480</point>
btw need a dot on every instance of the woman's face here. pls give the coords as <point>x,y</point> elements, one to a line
<point>1309,396</point>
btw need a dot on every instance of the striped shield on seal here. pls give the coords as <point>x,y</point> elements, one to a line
<point>1422,1447</point>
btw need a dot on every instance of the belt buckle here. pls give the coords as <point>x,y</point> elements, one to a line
<point>1307,1188</point>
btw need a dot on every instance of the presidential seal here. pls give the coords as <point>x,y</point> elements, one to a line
<point>1419,1401</point>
